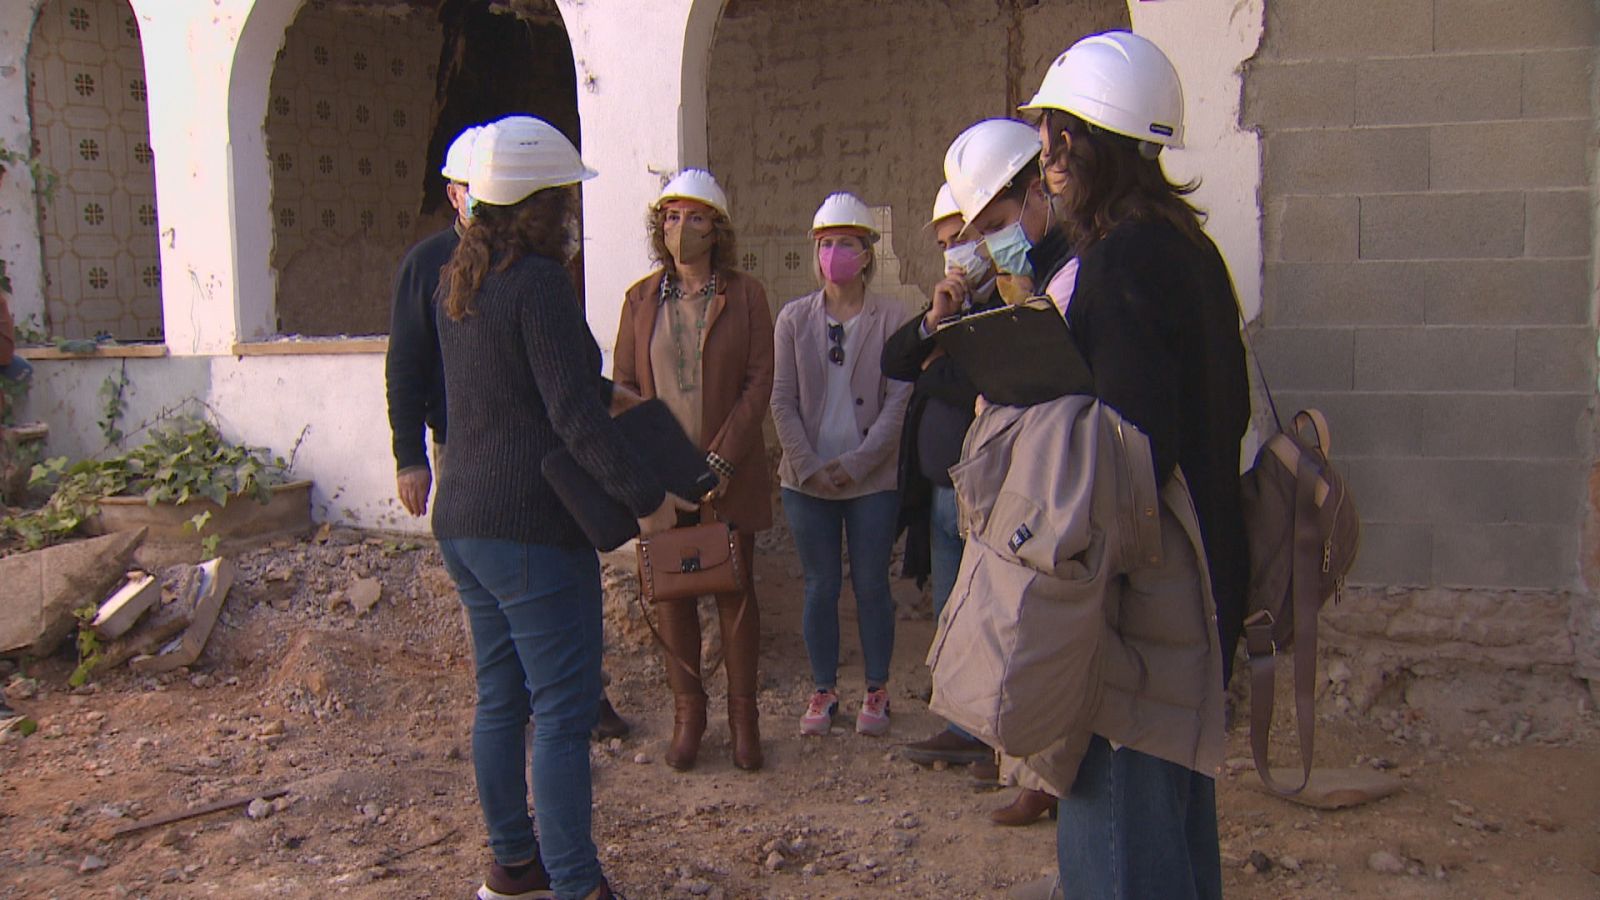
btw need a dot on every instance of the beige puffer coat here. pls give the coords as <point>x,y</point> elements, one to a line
<point>1082,605</point>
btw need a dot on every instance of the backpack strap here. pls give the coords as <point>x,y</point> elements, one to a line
<point>1308,526</point>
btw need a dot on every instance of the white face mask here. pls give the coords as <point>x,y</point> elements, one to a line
<point>965,258</point>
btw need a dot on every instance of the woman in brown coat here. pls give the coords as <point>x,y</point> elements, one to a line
<point>698,334</point>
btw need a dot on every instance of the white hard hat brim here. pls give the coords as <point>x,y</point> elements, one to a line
<point>509,193</point>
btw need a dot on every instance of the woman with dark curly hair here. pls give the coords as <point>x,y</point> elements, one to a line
<point>698,334</point>
<point>523,375</point>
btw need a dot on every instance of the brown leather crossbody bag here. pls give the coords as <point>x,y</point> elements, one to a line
<point>691,561</point>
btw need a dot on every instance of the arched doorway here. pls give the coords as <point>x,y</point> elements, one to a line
<point>865,98</point>
<point>364,100</point>
<point>89,105</point>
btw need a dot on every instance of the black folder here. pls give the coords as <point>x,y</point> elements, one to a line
<point>1017,355</point>
<point>654,432</point>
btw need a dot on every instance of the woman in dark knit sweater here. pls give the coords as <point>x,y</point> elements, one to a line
<point>522,372</point>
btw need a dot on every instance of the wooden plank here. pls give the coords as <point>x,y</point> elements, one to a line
<point>104,351</point>
<point>313,346</point>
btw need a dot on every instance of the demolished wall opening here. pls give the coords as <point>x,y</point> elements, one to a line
<point>88,101</point>
<point>364,100</point>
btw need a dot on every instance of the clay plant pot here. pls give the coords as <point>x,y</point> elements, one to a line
<point>242,525</point>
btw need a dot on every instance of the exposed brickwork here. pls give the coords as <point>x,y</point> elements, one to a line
<point>1427,216</point>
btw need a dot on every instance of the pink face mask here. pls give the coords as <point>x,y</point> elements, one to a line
<point>841,264</point>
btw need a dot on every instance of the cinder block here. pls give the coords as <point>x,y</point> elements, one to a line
<point>1306,359</point>
<point>1506,426</point>
<point>1367,424</point>
<point>1505,556</point>
<point>1523,25</point>
<point>1498,155</point>
<point>1496,491</point>
<point>1435,359</point>
<point>1506,292</point>
<point>1299,95</point>
<point>1555,83</point>
<point>1348,29</point>
<point>1441,226</point>
<point>1420,90</point>
<point>1360,293</point>
<point>1559,223</point>
<point>1390,489</point>
<point>1556,359</point>
<point>1310,228</point>
<point>1360,160</point>
<point>1392,554</point>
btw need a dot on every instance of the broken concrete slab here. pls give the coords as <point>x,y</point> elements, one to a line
<point>364,594</point>
<point>126,604</point>
<point>1331,788</point>
<point>43,587</point>
<point>216,576</point>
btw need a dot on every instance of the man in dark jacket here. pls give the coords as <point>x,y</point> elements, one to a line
<point>937,417</point>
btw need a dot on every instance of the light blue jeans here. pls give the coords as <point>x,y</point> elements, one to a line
<point>535,614</point>
<point>1136,826</point>
<point>867,524</point>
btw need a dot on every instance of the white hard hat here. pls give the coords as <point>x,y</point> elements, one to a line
<point>518,155</point>
<point>458,159</point>
<point>944,204</point>
<point>985,158</point>
<point>695,184</point>
<point>1120,82</point>
<point>844,210</point>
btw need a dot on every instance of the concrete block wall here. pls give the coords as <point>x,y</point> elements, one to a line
<point>811,98</point>
<point>1427,222</point>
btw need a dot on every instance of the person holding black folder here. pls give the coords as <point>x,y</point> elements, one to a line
<point>1155,316</point>
<point>522,371</point>
<point>697,333</point>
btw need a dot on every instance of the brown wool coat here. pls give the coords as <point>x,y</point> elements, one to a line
<point>736,383</point>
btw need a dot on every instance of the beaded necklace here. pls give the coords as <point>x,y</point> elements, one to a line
<point>671,290</point>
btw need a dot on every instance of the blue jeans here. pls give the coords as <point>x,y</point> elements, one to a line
<point>535,614</point>
<point>868,524</point>
<point>1135,826</point>
<point>945,546</point>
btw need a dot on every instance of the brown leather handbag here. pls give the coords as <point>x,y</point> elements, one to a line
<point>691,561</point>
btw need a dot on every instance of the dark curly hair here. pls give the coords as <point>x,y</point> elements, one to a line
<point>1111,179</point>
<point>724,246</point>
<point>498,236</point>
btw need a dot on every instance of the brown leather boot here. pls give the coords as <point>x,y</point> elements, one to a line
<point>1025,809</point>
<point>680,632</point>
<point>741,648</point>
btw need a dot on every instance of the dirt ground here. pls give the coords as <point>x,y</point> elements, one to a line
<point>364,720</point>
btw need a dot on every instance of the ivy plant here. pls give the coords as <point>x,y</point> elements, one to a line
<point>184,459</point>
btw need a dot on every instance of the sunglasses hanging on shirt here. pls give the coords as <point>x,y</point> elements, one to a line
<point>836,336</point>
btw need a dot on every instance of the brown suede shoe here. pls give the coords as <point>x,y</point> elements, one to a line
<point>947,747</point>
<point>1025,809</point>
<point>610,724</point>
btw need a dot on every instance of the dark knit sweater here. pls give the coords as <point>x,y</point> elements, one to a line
<point>412,370</point>
<point>523,375</point>
<point>1155,316</point>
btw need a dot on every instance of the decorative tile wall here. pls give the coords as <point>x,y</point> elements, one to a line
<point>87,97</point>
<point>349,113</point>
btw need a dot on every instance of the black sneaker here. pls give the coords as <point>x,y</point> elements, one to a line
<point>609,725</point>
<point>526,882</point>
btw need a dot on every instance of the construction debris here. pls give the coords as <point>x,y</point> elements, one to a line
<point>44,587</point>
<point>216,576</point>
<point>125,605</point>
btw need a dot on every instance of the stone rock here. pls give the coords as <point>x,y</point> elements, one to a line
<point>91,863</point>
<point>124,607</point>
<point>364,593</point>
<point>43,587</point>
<point>1331,788</point>
<point>1386,863</point>
<point>259,809</point>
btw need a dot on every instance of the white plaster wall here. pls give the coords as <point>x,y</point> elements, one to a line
<point>19,220</point>
<point>66,396</point>
<point>1208,41</point>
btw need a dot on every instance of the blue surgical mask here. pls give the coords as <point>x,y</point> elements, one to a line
<point>974,266</point>
<point>1009,247</point>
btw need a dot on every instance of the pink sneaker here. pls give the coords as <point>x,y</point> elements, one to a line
<point>819,713</point>
<point>873,719</point>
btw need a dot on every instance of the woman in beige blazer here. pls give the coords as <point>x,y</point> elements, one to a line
<point>697,333</point>
<point>838,419</point>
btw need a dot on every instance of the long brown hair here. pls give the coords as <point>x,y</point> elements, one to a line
<point>724,246</point>
<point>499,236</point>
<point>1110,180</point>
